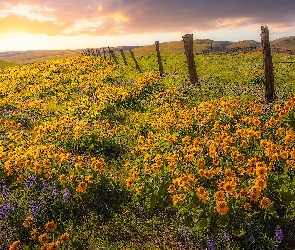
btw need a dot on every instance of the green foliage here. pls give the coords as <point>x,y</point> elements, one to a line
<point>91,127</point>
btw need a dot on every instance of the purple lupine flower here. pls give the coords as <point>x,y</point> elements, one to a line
<point>31,181</point>
<point>185,232</point>
<point>42,202</point>
<point>44,186</point>
<point>54,193</point>
<point>227,236</point>
<point>34,208</point>
<point>251,239</point>
<point>279,235</point>
<point>66,194</point>
<point>204,150</point>
<point>219,151</point>
<point>266,108</point>
<point>53,183</point>
<point>6,207</point>
<point>210,244</point>
<point>5,191</point>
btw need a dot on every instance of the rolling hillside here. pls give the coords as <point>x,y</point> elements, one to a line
<point>285,44</point>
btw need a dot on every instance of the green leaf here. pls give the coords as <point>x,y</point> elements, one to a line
<point>238,230</point>
<point>188,221</point>
<point>286,197</point>
<point>202,224</point>
<point>223,221</point>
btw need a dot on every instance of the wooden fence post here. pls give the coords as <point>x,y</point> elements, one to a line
<point>268,66</point>
<point>104,54</point>
<point>113,56</point>
<point>110,53</point>
<point>159,58</point>
<point>134,59</point>
<point>98,53</point>
<point>189,52</point>
<point>123,56</point>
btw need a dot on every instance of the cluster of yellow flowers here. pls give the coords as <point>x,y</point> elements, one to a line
<point>222,150</point>
<point>44,238</point>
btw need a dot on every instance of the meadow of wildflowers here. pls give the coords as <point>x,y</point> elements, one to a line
<point>94,155</point>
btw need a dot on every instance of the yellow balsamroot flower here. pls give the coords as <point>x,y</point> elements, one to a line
<point>63,178</point>
<point>82,187</point>
<point>38,167</point>
<point>189,157</point>
<point>243,193</point>
<point>228,172</point>
<point>72,178</point>
<point>222,207</point>
<point>129,182</point>
<point>219,195</point>
<point>254,194</point>
<point>89,178</point>
<point>64,238</point>
<point>265,203</point>
<point>171,189</point>
<point>261,170</point>
<point>28,220</point>
<point>50,226</point>
<point>181,197</point>
<point>44,239</point>
<point>278,107</point>
<point>20,179</point>
<point>15,245</point>
<point>33,234</point>
<point>202,193</point>
<point>284,154</point>
<point>244,144</point>
<point>175,199</point>
<point>47,175</point>
<point>53,246</point>
<point>248,206</point>
<point>260,183</point>
<point>138,190</point>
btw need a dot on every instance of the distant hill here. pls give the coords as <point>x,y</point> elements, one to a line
<point>285,44</point>
<point>24,57</point>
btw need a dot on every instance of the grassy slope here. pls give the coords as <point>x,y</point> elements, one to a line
<point>228,76</point>
<point>4,64</point>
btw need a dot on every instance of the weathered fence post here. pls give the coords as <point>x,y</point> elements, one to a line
<point>159,58</point>
<point>113,56</point>
<point>98,53</point>
<point>104,54</point>
<point>189,52</point>
<point>110,53</point>
<point>268,66</point>
<point>134,59</point>
<point>123,56</point>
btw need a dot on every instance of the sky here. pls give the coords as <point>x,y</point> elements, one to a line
<point>80,24</point>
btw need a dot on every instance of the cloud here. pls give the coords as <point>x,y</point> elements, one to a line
<point>117,17</point>
<point>15,24</point>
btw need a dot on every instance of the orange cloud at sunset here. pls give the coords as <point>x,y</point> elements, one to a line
<point>97,18</point>
<point>13,24</point>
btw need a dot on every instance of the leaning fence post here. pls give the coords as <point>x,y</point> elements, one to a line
<point>98,53</point>
<point>268,79</point>
<point>188,48</point>
<point>110,53</point>
<point>123,56</point>
<point>134,59</point>
<point>104,54</point>
<point>113,56</point>
<point>159,58</point>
